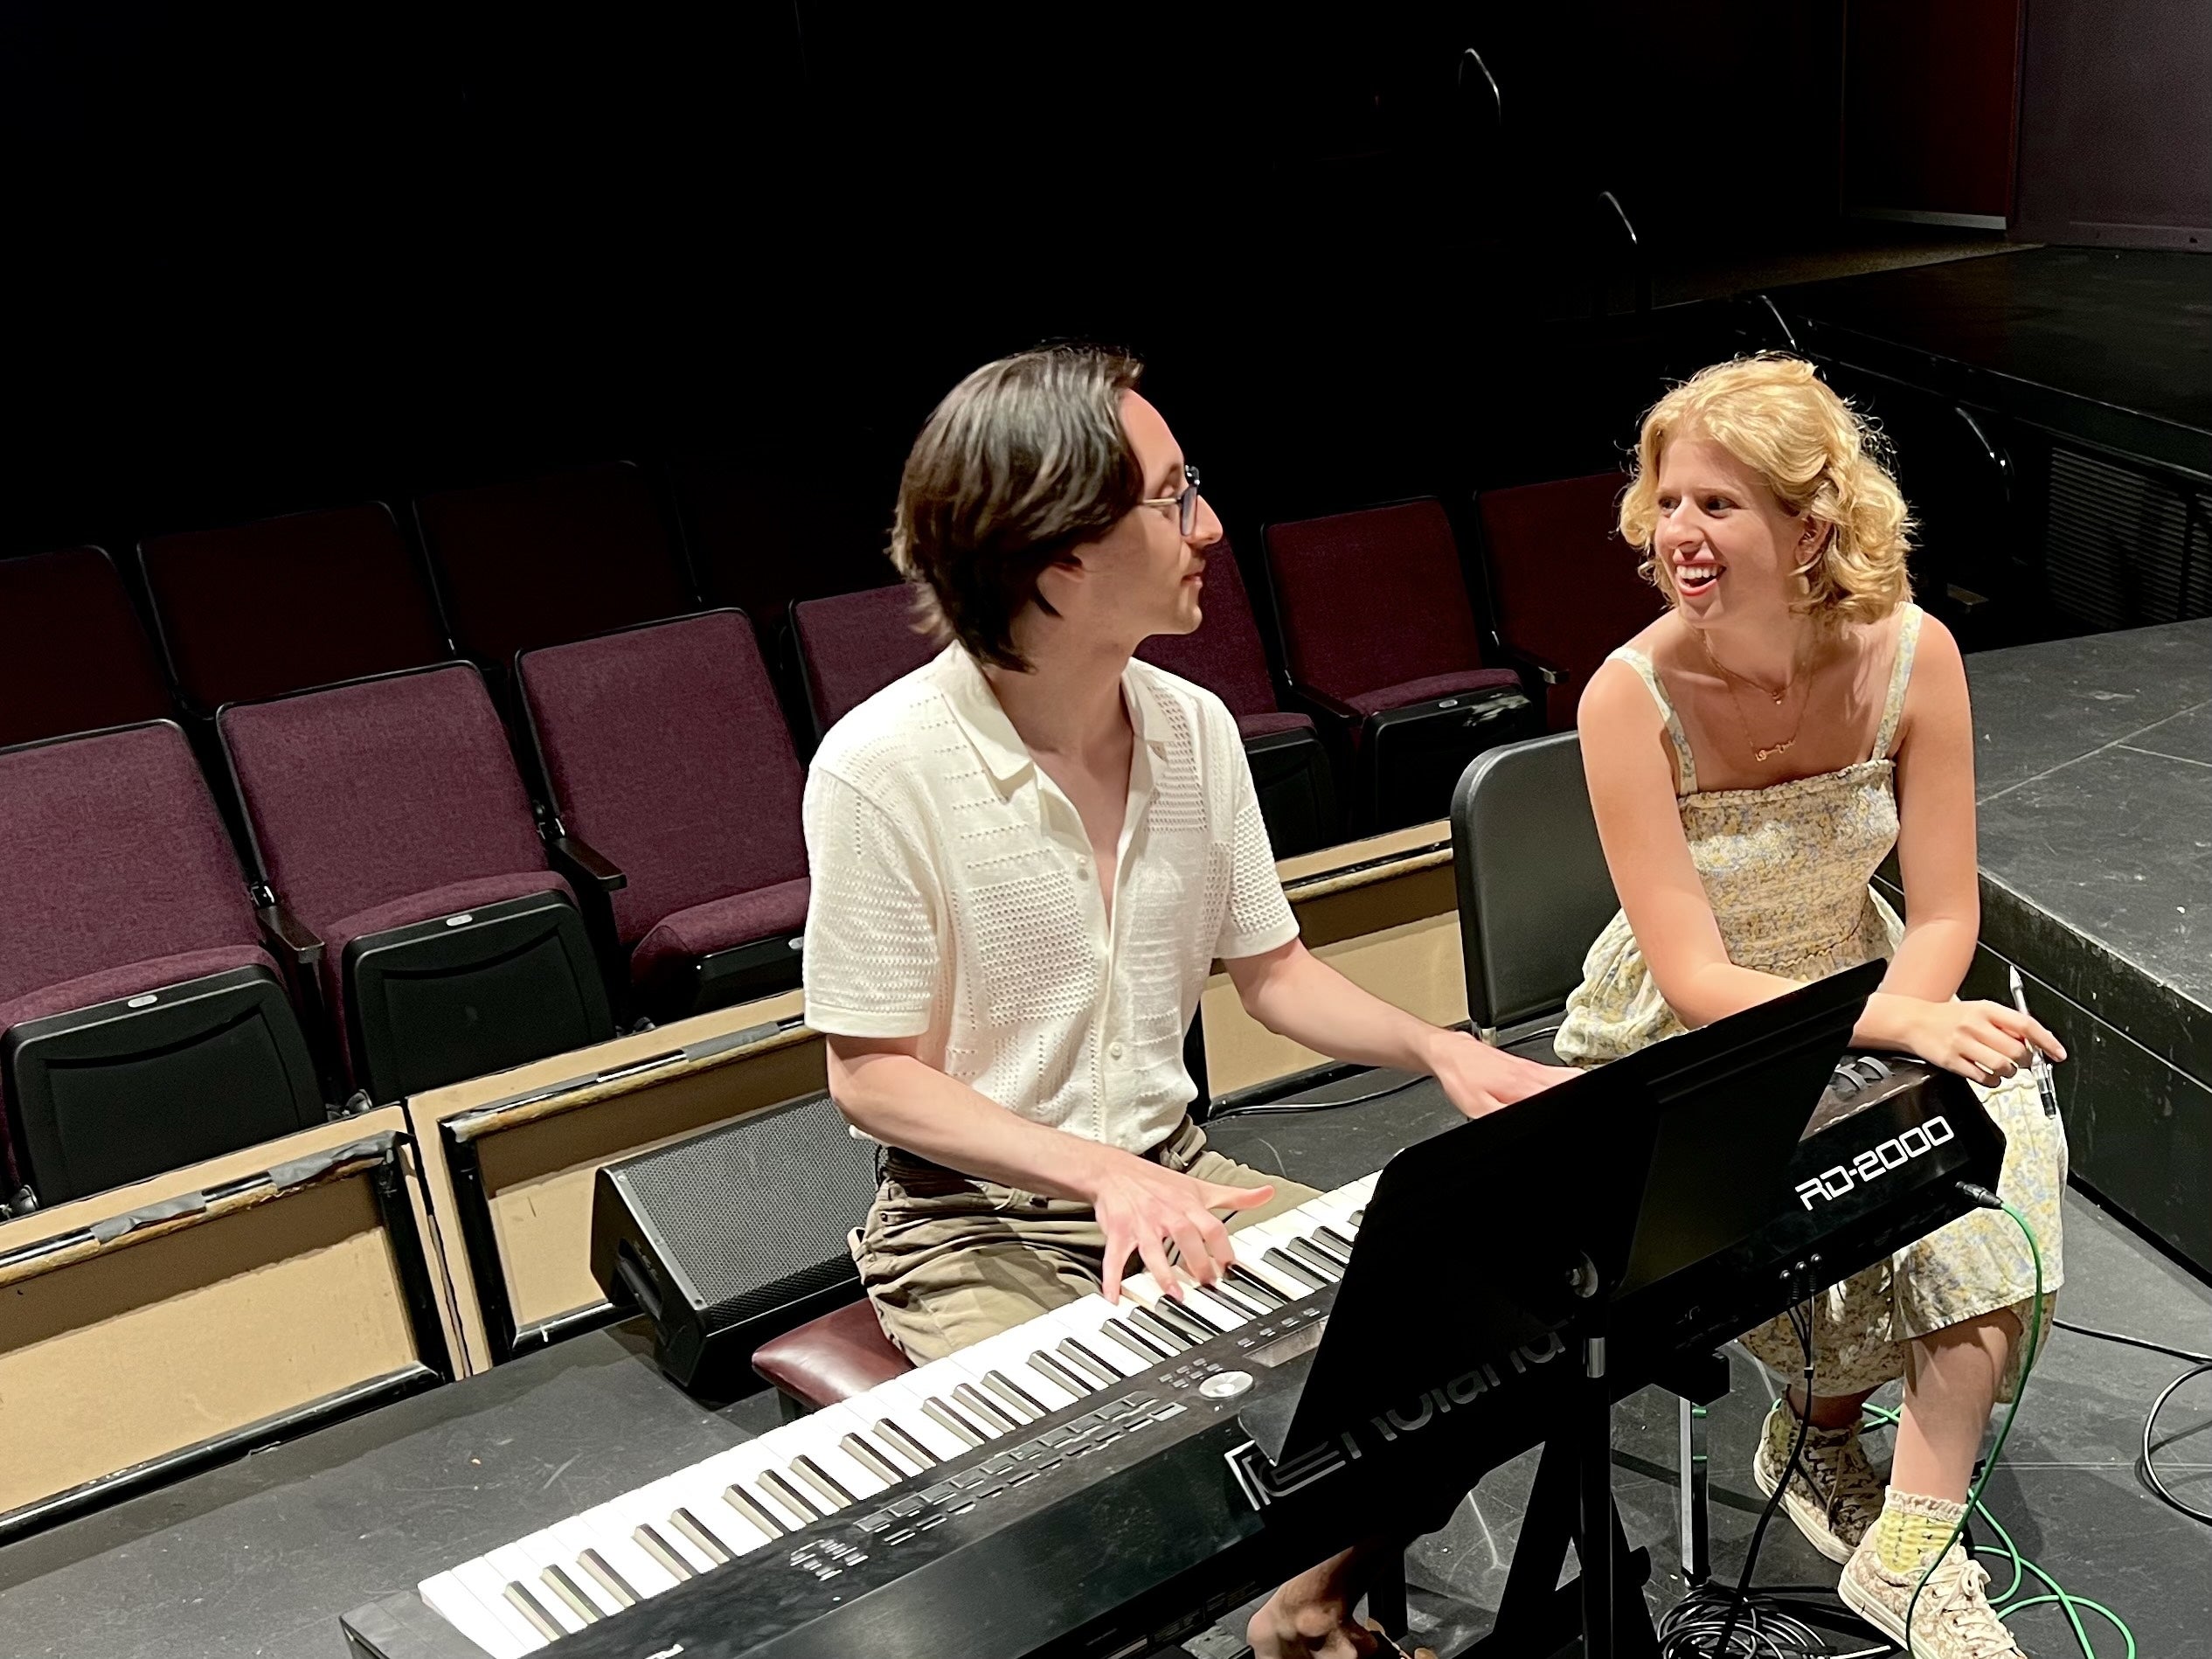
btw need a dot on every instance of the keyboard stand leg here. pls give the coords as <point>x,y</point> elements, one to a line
<point>1386,1595</point>
<point>1695,1514</point>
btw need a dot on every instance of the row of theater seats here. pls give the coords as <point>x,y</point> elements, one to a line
<point>403,909</point>
<point>1369,615</point>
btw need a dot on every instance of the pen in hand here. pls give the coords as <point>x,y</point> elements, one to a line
<point>2038,1062</point>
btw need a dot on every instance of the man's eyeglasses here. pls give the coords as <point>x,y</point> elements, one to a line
<point>1184,501</point>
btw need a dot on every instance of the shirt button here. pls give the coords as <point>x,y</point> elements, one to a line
<point>1082,866</point>
<point>1114,1051</point>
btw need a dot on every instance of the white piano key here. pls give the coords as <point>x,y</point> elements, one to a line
<point>610,1529</point>
<point>1081,1319</point>
<point>481,1581</point>
<point>825,1429</point>
<point>457,1605</point>
<point>572,1538</point>
<point>512,1562</point>
<point>648,1507</point>
<point>899,1402</point>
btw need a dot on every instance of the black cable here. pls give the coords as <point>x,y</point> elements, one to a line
<point>2144,1465</point>
<point>1768,1628</point>
<point>2133,1341</point>
<point>1287,1109</point>
<point>2200,1364</point>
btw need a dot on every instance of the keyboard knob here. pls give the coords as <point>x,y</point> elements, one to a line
<point>1225,1385</point>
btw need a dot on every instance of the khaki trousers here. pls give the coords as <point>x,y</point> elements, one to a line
<point>949,1260</point>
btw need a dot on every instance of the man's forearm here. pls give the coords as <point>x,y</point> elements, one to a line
<point>1303,998</point>
<point>906,1102</point>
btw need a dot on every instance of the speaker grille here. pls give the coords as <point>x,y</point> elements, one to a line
<point>2122,549</point>
<point>757,1202</point>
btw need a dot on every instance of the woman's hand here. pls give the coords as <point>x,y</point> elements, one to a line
<point>1479,1079</point>
<point>1985,1042</point>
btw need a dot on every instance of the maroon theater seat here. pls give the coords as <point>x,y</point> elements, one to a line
<point>307,600</point>
<point>396,847</point>
<point>1380,640</point>
<point>662,749</point>
<point>141,1024</point>
<point>768,525</point>
<point>1564,588</point>
<point>833,1358</point>
<point>852,645</point>
<point>1290,767</point>
<point>73,656</point>
<point>549,559</point>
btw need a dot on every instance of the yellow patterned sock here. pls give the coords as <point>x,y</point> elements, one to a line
<point>1912,1529</point>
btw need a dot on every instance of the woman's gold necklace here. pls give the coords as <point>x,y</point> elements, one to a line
<point>1732,679</point>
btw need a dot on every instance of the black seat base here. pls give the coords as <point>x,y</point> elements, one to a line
<point>1290,773</point>
<point>457,996</point>
<point>721,978</point>
<point>103,1096</point>
<point>1410,759</point>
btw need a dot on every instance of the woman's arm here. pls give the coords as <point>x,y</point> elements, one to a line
<point>1626,762</point>
<point>1937,855</point>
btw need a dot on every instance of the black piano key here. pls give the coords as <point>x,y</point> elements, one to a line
<point>1229,1295</point>
<point>1191,1324</point>
<point>873,1458</point>
<point>1314,1241</point>
<point>1002,1417</point>
<point>773,1486</point>
<point>1319,1260</point>
<point>1144,1319</point>
<point>1258,1287</point>
<point>667,1554</point>
<point>1045,1365</point>
<point>1013,1392</point>
<point>754,1510</point>
<point>906,1444</point>
<point>617,1586</point>
<point>822,1481</point>
<point>519,1597</point>
<point>1088,1362</point>
<point>707,1544</point>
<point>1332,1235</point>
<point>951,1422</point>
<point>573,1592</point>
<point>1296,1271</point>
<point>1147,1352</point>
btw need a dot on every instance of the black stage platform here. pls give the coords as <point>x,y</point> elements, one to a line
<point>2094,798</point>
<point>258,1558</point>
<point>2112,347</point>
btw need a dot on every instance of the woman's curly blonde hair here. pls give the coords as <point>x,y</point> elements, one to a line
<point>1779,418</point>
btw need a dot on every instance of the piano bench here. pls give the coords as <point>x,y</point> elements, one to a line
<point>830,1358</point>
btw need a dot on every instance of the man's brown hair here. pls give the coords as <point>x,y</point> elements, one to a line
<point>1023,459</point>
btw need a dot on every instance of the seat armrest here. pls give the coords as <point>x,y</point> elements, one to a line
<point>584,863</point>
<point>286,934</point>
<point>1532,669</point>
<point>1320,705</point>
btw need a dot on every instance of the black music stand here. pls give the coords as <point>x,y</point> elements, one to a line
<point>1556,1208</point>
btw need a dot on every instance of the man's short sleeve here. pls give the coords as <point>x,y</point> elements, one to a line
<point>871,951</point>
<point>1259,916</point>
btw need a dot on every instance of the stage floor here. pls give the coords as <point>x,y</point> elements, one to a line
<point>2113,345</point>
<point>260,1558</point>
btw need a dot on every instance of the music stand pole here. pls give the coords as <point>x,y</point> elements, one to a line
<point>1594,1537</point>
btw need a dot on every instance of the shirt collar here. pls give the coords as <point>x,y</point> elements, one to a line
<point>983,718</point>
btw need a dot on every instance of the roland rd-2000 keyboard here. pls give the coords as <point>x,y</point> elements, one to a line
<point>1080,1484</point>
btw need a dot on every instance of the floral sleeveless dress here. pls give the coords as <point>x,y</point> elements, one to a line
<point>1787,869</point>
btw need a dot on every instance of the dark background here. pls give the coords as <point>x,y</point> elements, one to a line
<point>270,258</point>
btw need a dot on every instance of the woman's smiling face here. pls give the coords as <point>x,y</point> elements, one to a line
<point>1724,545</point>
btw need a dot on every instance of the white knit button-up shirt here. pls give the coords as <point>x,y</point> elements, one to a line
<point>955,898</point>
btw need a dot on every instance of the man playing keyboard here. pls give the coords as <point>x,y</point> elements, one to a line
<point>1026,857</point>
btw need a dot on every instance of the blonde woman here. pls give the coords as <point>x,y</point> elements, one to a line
<point>1753,755</point>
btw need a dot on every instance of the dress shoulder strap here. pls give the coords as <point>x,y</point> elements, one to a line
<point>1685,765</point>
<point>1885,740</point>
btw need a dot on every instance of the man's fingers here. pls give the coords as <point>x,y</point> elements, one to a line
<point>1191,1244</point>
<point>1117,1258</point>
<point>1155,1261</point>
<point>1217,1197</point>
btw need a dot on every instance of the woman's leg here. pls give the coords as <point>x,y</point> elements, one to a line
<point>1951,1382</point>
<point>1827,1411</point>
